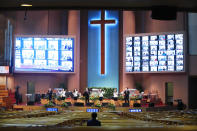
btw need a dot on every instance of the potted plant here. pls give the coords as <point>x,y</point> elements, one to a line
<point>108,93</point>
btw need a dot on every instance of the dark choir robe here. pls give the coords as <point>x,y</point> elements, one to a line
<point>50,93</point>
<point>126,96</point>
<point>86,94</point>
<point>17,96</point>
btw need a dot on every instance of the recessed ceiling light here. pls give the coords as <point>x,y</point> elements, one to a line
<point>26,5</point>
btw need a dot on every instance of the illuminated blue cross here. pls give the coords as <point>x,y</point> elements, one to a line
<point>102,22</point>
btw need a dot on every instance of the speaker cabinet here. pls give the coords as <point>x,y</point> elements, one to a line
<point>136,105</point>
<point>69,103</point>
<point>78,104</point>
<point>164,13</point>
<point>105,104</point>
<point>30,103</point>
<point>125,104</point>
<point>89,104</point>
<point>151,105</point>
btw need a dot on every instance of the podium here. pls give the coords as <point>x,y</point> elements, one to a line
<point>28,97</point>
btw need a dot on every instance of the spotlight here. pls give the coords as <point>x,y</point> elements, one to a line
<point>26,5</point>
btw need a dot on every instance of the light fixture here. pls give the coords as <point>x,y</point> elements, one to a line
<point>26,5</point>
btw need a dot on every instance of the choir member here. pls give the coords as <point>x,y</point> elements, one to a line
<point>75,94</point>
<point>50,93</point>
<point>59,92</point>
<point>101,93</point>
<point>86,94</point>
<point>115,95</point>
<point>63,94</point>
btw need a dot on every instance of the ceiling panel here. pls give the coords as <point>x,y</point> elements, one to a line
<point>181,5</point>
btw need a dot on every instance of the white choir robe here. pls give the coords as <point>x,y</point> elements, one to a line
<point>63,94</point>
<point>115,94</point>
<point>75,94</point>
<point>101,94</point>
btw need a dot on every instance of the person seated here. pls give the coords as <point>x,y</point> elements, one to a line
<point>94,121</point>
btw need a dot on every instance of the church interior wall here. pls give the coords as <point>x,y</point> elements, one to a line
<point>156,82</point>
<point>51,23</point>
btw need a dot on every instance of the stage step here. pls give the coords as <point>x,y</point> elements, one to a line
<point>4,94</point>
<point>2,87</point>
<point>5,100</point>
<point>3,91</point>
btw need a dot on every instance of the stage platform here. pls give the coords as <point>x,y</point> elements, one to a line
<point>101,109</point>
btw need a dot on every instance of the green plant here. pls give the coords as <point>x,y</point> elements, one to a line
<point>59,98</point>
<point>98,105</point>
<point>64,105</point>
<point>121,98</point>
<point>94,98</point>
<point>111,106</point>
<point>50,104</point>
<point>82,98</point>
<point>108,93</point>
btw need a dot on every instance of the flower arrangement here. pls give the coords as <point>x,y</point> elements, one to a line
<point>121,97</point>
<point>108,91</point>
<point>98,105</point>
<point>82,98</point>
<point>65,105</point>
<point>59,98</point>
<point>111,106</point>
<point>93,98</point>
<point>49,104</point>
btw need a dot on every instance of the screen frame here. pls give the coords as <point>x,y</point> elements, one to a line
<point>152,34</point>
<point>46,36</point>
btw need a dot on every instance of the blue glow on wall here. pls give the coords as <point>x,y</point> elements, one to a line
<point>111,77</point>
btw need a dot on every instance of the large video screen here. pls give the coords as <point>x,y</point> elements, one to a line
<point>155,53</point>
<point>44,54</point>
